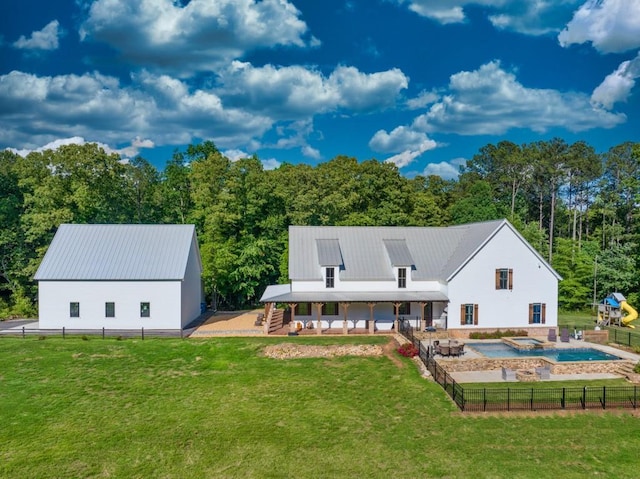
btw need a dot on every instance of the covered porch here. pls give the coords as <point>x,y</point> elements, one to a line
<point>333,312</point>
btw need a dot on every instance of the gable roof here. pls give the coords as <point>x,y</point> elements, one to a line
<point>370,253</point>
<point>118,252</point>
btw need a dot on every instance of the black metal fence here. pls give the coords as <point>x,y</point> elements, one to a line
<point>625,337</point>
<point>521,398</point>
<point>104,333</point>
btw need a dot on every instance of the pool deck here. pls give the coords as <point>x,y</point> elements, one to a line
<point>496,375</point>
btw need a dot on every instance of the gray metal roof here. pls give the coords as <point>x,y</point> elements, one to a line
<point>398,252</point>
<point>281,293</point>
<point>329,252</point>
<point>118,252</point>
<point>369,253</point>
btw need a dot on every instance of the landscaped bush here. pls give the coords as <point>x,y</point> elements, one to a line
<point>636,368</point>
<point>497,334</point>
<point>408,350</point>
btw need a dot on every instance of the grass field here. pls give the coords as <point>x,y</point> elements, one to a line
<point>169,408</point>
<point>581,320</point>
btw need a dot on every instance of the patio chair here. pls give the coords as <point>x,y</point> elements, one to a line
<point>461,346</point>
<point>444,350</point>
<point>454,350</point>
<point>544,372</point>
<point>552,338</point>
<point>564,335</point>
<point>508,374</point>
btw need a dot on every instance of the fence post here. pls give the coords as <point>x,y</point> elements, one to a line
<point>635,397</point>
<point>531,402</point>
<point>102,332</point>
<point>604,397</point>
<point>508,399</point>
<point>584,397</point>
<point>143,333</point>
<point>484,399</point>
<point>629,340</point>
<point>63,335</point>
<point>563,400</point>
<point>23,332</point>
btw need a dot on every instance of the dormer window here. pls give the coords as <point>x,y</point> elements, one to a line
<point>402,277</point>
<point>330,277</point>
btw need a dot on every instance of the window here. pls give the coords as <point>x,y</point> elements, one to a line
<point>469,314</point>
<point>145,310</point>
<point>330,309</point>
<point>402,277</point>
<point>330,277</point>
<point>404,309</point>
<point>110,310</point>
<point>74,310</point>
<point>504,278</point>
<point>537,313</point>
<point>303,309</point>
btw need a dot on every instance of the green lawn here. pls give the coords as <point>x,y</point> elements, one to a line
<point>582,320</point>
<point>170,408</point>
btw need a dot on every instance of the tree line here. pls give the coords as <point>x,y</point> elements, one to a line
<point>578,208</point>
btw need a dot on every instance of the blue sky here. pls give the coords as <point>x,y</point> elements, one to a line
<point>421,83</point>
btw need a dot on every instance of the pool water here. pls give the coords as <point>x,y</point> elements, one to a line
<point>502,350</point>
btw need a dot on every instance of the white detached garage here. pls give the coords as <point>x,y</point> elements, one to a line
<point>120,277</point>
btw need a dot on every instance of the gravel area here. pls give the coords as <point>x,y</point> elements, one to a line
<point>290,351</point>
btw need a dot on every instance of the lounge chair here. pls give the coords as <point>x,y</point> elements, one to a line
<point>508,374</point>
<point>564,335</point>
<point>552,338</point>
<point>544,372</point>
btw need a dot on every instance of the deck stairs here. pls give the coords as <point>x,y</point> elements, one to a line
<point>625,369</point>
<point>275,320</point>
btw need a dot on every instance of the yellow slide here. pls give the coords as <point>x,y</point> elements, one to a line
<point>631,315</point>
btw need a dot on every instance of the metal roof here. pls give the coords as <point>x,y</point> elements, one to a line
<point>281,293</point>
<point>329,252</point>
<point>369,253</point>
<point>118,252</point>
<point>398,252</point>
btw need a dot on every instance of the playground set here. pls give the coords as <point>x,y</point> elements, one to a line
<point>610,311</point>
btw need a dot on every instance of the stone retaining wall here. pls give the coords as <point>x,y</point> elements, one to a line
<point>489,364</point>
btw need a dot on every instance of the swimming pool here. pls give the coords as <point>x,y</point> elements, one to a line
<point>502,350</point>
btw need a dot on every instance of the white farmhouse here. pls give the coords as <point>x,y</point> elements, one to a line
<point>120,277</point>
<point>466,278</point>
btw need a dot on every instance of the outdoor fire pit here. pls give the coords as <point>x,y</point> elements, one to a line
<point>526,375</point>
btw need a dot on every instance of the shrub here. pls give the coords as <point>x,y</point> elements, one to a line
<point>636,368</point>
<point>497,334</point>
<point>408,350</point>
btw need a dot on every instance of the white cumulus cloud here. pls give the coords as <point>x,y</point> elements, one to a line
<point>37,110</point>
<point>167,36</point>
<point>530,17</point>
<point>490,101</point>
<point>446,170</point>
<point>45,39</point>
<point>296,91</point>
<point>617,86</point>
<point>610,25</point>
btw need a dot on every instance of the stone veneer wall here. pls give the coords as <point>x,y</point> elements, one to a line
<point>593,336</point>
<point>489,364</point>
<point>531,331</point>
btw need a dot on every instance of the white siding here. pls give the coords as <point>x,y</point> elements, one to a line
<point>163,296</point>
<point>357,286</point>
<point>533,282</point>
<point>191,288</point>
